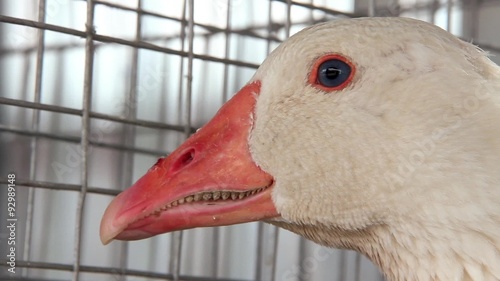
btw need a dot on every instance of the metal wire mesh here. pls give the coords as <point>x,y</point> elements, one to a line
<point>92,92</point>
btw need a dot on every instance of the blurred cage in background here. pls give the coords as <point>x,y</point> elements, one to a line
<point>93,92</point>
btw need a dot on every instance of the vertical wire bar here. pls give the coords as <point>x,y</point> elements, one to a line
<point>227,47</point>
<point>301,257</point>
<point>175,263</point>
<point>269,25</point>
<point>474,10</point>
<point>274,257</point>
<point>342,265</point>
<point>189,77</point>
<point>357,267</point>
<point>130,130</point>
<point>258,266</point>
<point>23,92</point>
<point>266,252</point>
<point>181,66</point>
<point>433,10</point>
<point>311,12</point>
<point>176,237</point>
<point>225,97</point>
<point>372,7</point>
<point>273,230</point>
<point>214,230</point>
<point>187,128</point>
<point>35,124</point>
<point>267,235</point>
<point>395,8</point>
<point>288,23</point>
<point>87,101</point>
<point>260,227</point>
<point>449,6</point>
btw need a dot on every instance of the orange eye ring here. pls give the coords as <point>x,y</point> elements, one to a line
<point>332,72</point>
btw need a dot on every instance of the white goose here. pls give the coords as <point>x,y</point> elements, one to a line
<point>380,135</point>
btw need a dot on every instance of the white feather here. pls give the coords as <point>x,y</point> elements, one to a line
<point>402,165</point>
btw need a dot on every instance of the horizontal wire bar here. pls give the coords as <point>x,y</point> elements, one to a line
<point>110,39</point>
<point>15,278</point>
<point>323,9</point>
<point>35,105</point>
<point>95,115</point>
<point>59,47</point>
<point>30,133</point>
<point>75,139</point>
<point>60,186</point>
<point>109,270</point>
<point>212,29</point>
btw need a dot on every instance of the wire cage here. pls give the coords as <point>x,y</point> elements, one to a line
<point>93,92</point>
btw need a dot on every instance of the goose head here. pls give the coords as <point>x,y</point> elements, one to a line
<point>378,134</point>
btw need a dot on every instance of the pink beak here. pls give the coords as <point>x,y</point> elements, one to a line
<point>210,180</point>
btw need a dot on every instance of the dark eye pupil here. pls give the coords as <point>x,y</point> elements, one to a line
<point>333,73</point>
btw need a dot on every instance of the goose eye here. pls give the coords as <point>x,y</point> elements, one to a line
<point>331,72</point>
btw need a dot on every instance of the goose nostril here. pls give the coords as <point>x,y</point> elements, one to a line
<point>183,160</point>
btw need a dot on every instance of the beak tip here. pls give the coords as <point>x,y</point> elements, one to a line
<point>105,242</point>
<point>109,232</point>
<point>108,229</point>
<point>106,235</point>
<point>105,238</point>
